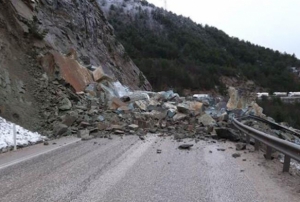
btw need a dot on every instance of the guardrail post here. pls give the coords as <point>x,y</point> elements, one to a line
<point>286,164</point>
<point>256,145</point>
<point>269,153</point>
<point>247,139</point>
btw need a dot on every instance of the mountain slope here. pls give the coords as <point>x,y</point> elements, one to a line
<point>173,51</point>
<point>34,38</point>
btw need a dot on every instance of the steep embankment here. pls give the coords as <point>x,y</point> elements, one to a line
<point>173,51</point>
<point>35,76</point>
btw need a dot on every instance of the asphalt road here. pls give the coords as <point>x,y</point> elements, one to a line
<point>130,170</point>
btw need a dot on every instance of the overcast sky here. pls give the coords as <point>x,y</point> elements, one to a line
<point>270,23</point>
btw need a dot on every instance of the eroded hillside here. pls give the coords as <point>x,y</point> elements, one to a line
<point>48,51</point>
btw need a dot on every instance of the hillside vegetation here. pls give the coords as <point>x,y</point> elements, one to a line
<point>280,111</point>
<point>175,52</point>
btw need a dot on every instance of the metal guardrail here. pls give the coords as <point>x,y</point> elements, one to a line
<point>289,149</point>
<point>276,125</point>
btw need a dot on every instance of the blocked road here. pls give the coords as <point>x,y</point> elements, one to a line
<point>128,169</point>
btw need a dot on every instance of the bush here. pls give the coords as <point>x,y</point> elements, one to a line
<point>281,112</point>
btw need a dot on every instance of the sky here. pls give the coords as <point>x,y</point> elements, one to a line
<point>270,23</point>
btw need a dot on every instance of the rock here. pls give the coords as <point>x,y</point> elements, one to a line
<point>4,150</point>
<point>65,104</point>
<point>142,137</point>
<point>133,127</point>
<point>99,75</point>
<point>116,103</point>
<point>171,113</point>
<point>236,155</point>
<point>237,101</point>
<point>69,69</point>
<point>119,132</point>
<point>116,127</point>
<point>84,124</point>
<point>163,124</point>
<point>185,146</point>
<point>240,146</point>
<point>153,130</point>
<point>169,95</point>
<point>141,104</point>
<point>285,136</point>
<point>83,133</point>
<point>179,117</point>
<point>135,96</point>
<point>183,108</point>
<point>70,118</point>
<point>158,151</point>
<point>167,105</point>
<point>91,89</point>
<point>155,114</point>
<point>125,99</point>
<point>258,111</point>
<point>227,133</point>
<point>87,137</point>
<point>272,157</point>
<point>100,118</point>
<point>206,120</point>
<point>60,129</point>
<point>196,106</point>
<point>46,143</point>
<point>123,109</point>
<point>221,149</point>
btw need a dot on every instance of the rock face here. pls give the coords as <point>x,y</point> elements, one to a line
<point>81,25</point>
<point>37,66</point>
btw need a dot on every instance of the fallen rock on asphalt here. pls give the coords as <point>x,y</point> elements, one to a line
<point>236,155</point>
<point>240,146</point>
<point>88,137</point>
<point>60,129</point>
<point>185,146</point>
<point>228,133</point>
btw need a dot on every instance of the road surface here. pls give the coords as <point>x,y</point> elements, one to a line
<point>130,170</point>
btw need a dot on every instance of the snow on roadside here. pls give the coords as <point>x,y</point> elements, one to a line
<point>293,162</point>
<point>24,137</point>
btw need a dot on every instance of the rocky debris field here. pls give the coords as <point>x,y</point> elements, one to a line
<point>271,131</point>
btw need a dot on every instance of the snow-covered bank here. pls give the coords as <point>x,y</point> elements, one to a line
<point>24,137</point>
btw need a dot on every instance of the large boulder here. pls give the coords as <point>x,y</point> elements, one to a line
<point>60,130</point>
<point>69,69</point>
<point>238,100</point>
<point>228,133</point>
<point>206,120</point>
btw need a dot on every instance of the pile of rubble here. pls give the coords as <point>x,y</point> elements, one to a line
<point>106,107</point>
<point>88,102</point>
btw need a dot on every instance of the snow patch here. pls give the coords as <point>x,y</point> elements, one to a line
<point>24,137</point>
<point>120,89</point>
